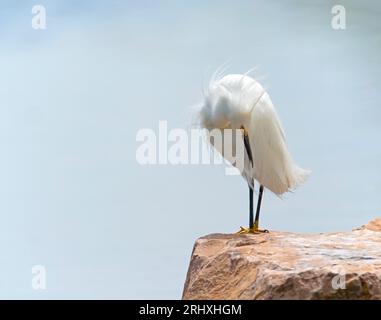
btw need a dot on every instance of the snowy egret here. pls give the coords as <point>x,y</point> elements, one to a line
<point>239,102</point>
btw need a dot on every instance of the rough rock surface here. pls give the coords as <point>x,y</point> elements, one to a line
<point>281,265</point>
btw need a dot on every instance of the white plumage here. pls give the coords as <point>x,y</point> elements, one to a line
<point>238,101</point>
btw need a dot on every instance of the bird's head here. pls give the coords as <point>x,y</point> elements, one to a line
<point>221,110</point>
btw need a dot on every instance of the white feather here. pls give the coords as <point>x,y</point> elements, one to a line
<point>239,100</point>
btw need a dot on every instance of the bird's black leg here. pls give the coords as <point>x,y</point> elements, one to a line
<point>251,212</point>
<point>256,222</point>
<point>253,224</point>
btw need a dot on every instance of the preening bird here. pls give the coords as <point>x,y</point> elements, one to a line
<point>239,102</point>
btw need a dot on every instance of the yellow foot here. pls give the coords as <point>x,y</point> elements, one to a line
<point>254,230</point>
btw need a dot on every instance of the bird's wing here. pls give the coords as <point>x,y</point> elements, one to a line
<point>272,160</point>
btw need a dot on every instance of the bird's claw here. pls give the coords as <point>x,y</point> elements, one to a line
<point>254,230</point>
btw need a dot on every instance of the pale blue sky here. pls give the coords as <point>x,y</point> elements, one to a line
<point>72,97</point>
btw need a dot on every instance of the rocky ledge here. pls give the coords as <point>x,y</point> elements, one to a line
<point>283,265</point>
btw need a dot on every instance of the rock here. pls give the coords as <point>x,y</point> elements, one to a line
<point>374,225</point>
<point>283,265</point>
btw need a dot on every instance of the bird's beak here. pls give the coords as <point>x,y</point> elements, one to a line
<point>244,131</point>
<point>247,145</point>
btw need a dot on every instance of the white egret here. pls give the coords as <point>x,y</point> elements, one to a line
<point>239,102</point>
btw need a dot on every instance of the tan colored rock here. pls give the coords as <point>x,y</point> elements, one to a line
<point>374,225</point>
<point>281,265</point>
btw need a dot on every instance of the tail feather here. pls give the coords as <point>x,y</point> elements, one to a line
<point>299,176</point>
